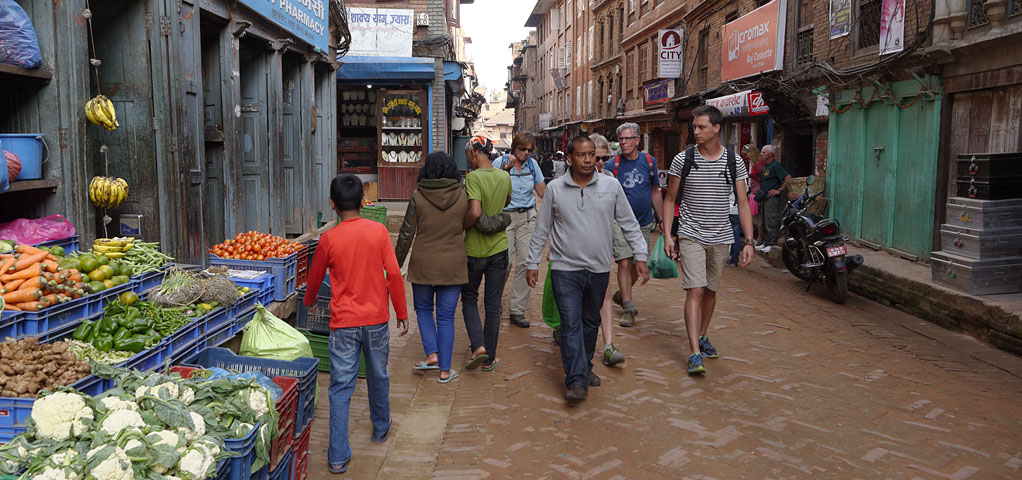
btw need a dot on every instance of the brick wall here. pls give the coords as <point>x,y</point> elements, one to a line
<point>820,155</point>
<point>639,41</point>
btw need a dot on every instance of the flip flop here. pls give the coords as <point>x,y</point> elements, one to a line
<point>475,362</point>
<point>490,367</point>
<point>448,379</point>
<point>423,366</point>
<point>338,469</point>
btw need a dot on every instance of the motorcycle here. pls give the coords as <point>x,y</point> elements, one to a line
<point>814,249</point>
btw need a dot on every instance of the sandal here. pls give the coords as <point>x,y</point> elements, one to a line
<point>476,361</point>
<point>448,379</point>
<point>423,366</point>
<point>490,367</point>
<point>337,469</point>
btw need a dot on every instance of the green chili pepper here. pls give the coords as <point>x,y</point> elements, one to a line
<point>104,343</point>
<point>84,330</point>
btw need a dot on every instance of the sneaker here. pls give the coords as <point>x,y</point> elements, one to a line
<point>594,379</point>
<point>759,248</point>
<point>628,318</point>
<point>575,394</point>
<point>557,335</point>
<point>519,320</point>
<point>766,249</point>
<point>695,364</point>
<point>612,356</point>
<point>706,348</point>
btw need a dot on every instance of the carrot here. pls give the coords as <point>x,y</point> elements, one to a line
<point>34,282</point>
<point>50,266</point>
<point>22,296</point>
<point>13,285</point>
<point>27,273</point>
<point>51,257</point>
<point>75,277</point>
<point>13,308</point>
<point>22,248</point>
<point>50,299</point>
<point>7,263</point>
<point>31,306</point>
<point>26,261</point>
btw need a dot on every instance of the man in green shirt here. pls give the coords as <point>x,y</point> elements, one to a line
<point>774,184</point>
<point>489,191</point>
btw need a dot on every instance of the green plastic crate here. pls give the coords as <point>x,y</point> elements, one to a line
<point>321,350</point>
<point>376,213</point>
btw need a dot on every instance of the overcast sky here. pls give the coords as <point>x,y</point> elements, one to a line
<point>493,25</point>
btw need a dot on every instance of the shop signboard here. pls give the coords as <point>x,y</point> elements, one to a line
<point>749,102</point>
<point>840,18</point>
<point>754,43</point>
<point>309,20</point>
<point>671,52</point>
<point>545,120</point>
<point>659,91</point>
<point>381,32</point>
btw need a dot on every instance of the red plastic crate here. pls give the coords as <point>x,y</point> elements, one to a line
<point>300,455</point>
<point>303,266</point>
<point>285,406</point>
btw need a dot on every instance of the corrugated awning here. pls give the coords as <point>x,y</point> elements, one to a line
<point>388,68</point>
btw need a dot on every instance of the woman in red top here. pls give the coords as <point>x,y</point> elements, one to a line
<point>755,168</point>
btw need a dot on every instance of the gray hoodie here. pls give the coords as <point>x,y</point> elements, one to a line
<point>579,222</point>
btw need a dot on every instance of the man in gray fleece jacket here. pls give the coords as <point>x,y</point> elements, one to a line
<point>578,214</point>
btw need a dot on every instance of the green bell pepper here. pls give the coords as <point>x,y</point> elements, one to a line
<point>84,330</point>
<point>104,343</point>
<point>107,325</point>
<point>132,343</point>
<point>121,334</point>
<point>132,313</point>
<point>153,337</point>
<point>139,325</point>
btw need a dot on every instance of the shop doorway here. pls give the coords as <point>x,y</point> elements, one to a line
<point>216,196</point>
<point>323,130</point>
<point>801,164</point>
<point>292,142</point>
<point>254,166</point>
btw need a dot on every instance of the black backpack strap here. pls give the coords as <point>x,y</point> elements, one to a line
<point>687,165</point>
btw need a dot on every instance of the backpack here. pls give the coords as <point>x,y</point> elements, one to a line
<point>527,167</point>
<point>690,163</point>
<point>649,161</point>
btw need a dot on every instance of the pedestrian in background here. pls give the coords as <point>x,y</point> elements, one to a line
<point>560,165</point>
<point>489,191</point>
<point>547,167</point>
<point>433,229</point>
<point>577,217</point>
<point>707,175</point>
<point>750,154</point>
<point>526,185</point>
<point>353,253</point>
<point>772,188</point>
<point>637,173</point>
<point>611,355</point>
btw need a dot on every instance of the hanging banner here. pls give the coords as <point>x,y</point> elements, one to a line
<point>754,42</point>
<point>671,53</point>
<point>306,19</point>
<point>380,32</point>
<point>749,102</point>
<point>892,27</point>
<point>840,18</point>
<point>659,91</point>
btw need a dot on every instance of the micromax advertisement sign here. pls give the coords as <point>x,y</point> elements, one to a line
<point>754,43</point>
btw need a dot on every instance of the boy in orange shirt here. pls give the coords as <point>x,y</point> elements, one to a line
<point>357,252</point>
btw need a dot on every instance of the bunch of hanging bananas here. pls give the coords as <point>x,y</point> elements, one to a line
<point>100,110</point>
<point>112,247</point>
<point>108,192</point>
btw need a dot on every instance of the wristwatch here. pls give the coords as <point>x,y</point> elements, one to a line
<point>748,241</point>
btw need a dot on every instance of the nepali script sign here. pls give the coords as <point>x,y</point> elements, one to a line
<point>380,32</point>
<point>306,19</point>
<point>754,43</point>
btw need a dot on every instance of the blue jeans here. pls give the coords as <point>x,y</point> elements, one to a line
<point>579,296</point>
<point>736,248</point>
<point>345,345</point>
<point>437,337</point>
<point>494,269</point>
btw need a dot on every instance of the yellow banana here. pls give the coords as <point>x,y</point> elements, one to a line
<point>111,113</point>
<point>100,115</point>
<point>114,254</point>
<point>88,113</point>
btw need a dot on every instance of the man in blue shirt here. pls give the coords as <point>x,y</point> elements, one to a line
<point>526,183</point>
<point>637,172</point>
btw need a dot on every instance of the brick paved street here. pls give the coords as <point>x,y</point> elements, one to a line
<point>804,388</point>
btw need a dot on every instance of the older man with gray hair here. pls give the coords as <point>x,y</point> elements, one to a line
<point>772,188</point>
<point>637,173</point>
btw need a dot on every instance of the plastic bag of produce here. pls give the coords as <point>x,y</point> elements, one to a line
<point>550,314</point>
<point>13,166</point>
<point>19,45</point>
<point>267,336</point>
<point>31,232</point>
<point>659,265</point>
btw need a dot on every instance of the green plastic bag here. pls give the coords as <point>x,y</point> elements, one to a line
<point>550,314</point>
<point>660,266</point>
<point>267,336</point>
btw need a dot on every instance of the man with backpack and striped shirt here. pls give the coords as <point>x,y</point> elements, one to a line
<point>702,179</point>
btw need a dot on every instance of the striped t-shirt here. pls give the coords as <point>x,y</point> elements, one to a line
<point>706,201</point>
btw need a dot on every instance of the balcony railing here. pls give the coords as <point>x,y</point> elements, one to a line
<point>804,47</point>
<point>977,14</point>
<point>1015,8</point>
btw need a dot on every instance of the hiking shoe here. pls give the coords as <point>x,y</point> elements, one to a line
<point>695,364</point>
<point>594,379</point>
<point>557,335</point>
<point>706,348</point>
<point>612,356</point>
<point>519,320</point>
<point>616,298</point>
<point>628,318</point>
<point>766,249</point>
<point>575,394</point>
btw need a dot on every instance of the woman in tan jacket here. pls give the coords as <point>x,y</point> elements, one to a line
<point>438,267</point>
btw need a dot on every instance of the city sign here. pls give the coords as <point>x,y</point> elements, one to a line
<point>380,32</point>
<point>307,19</point>
<point>671,53</point>
<point>754,43</point>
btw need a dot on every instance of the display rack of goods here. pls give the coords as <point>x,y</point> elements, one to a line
<point>262,252</point>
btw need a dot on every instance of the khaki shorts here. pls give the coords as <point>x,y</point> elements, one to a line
<point>701,265</point>
<point>621,248</point>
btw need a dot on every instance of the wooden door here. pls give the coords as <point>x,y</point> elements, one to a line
<point>254,155</point>
<point>291,138</point>
<point>215,195</point>
<point>879,161</point>
<point>323,164</point>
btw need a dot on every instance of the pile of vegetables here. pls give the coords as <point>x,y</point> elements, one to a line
<point>255,246</point>
<point>130,325</point>
<point>100,272</point>
<point>183,288</point>
<point>145,257</point>
<point>32,279</point>
<point>27,367</point>
<point>150,426</point>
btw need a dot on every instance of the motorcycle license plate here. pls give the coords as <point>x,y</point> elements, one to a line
<point>836,251</point>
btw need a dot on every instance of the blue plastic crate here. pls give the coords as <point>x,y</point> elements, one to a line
<point>187,351</point>
<point>245,302</point>
<point>317,318</point>
<point>99,301</point>
<point>285,271</point>
<point>185,337</point>
<point>241,466</point>
<point>221,336</point>
<point>282,472</point>
<point>244,318</point>
<point>223,469</point>
<point>34,324</point>
<point>146,281</point>
<point>148,360</point>
<point>216,319</point>
<point>303,368</point>
<point>70,244</point>
<point>9,323</point>
<point>14,411</point>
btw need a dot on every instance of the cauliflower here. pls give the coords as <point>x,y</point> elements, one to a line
<point>115,464</point>
<point>193,434</point>
<point>243,429</point>
<point>208,446</point>
<point>171,391</point>
<point>56,474</point>
<point>114,403</point>
<point>196,463</point>
<point>61,416</point>
<point>186,395</point>
<point>164,437</point>
<point>120,420</point>
<point>257,400</point>
<point>65,458</point>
